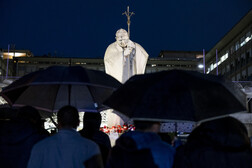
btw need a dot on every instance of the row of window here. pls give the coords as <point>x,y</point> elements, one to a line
<point>222,59</point>
<point>236,63</point>
<point>241,42</point>
<point>245,39</point>
<point>243,76</point>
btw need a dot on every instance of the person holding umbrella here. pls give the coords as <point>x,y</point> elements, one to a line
<point>141,148</point>
<point>18,135</point>
<point>219,143</point>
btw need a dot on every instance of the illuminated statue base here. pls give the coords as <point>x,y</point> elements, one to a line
<point>109,118</point>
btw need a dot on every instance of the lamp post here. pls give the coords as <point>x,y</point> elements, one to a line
<point>7,66</point>
<point>204,63</point>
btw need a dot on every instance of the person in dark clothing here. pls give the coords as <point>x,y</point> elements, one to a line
<point>32,115</point>
<point>125,154</point>
<point>91,130</point>
<point>17,137</point>
<point>165,137</point>
<point>220,143</point>
<point>141,148</point>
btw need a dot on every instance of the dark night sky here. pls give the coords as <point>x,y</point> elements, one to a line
<point>82,28</point>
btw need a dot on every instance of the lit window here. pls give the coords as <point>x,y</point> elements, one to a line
<point>226,56</point>
<point>248,37</point>
<point>200,66</point>
<point>242,41</point>
<point>222,58</point>
<point>211,67</point>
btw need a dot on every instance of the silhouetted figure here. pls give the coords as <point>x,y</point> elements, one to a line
<point>91,130</point>
<point>17,137</point>
<point>165,137</point>
<point>220,143</point>
<point>66,148</point>
<point>6,112</point>
<point>31,114</point>
<point>141,148</point>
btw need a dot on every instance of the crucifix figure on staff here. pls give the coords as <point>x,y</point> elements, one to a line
<point>128,14</point>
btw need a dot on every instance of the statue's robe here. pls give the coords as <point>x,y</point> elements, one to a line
<point>122,63</point>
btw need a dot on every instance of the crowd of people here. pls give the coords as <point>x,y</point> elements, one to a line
<point>25,143</point>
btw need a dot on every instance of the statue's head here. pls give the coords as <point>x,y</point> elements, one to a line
<point>122,37</point>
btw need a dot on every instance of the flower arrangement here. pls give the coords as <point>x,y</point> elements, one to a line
<point>117,129</point>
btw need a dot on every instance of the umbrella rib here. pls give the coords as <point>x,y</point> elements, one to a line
<point>54,101</point>
<point>69,94</point>
<point>92,97</point>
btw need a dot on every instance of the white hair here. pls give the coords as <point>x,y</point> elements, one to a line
<point>121,31</point>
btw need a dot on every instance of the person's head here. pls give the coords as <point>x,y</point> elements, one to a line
<point>147,126</point>
<point>92,121</point>
<point>226,132</point>
<point>30,114</point>
<point>68,117</point>
<point>122,37</point>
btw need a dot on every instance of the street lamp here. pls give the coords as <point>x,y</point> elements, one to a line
<point>200,66</point>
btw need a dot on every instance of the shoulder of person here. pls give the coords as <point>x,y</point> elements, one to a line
<point>111,50</point>
<point>44,142</point>
<point>112,46</point>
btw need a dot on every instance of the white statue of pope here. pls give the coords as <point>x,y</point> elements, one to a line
<point>124,58</point>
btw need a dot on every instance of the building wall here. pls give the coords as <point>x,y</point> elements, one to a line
<point>25,65</point>
<point>232,55</point>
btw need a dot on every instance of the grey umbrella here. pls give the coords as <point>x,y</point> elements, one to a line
<point>50,89</point>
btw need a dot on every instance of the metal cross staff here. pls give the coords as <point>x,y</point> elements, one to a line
<point>128,14</point>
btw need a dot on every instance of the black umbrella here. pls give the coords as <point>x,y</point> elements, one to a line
<point>50,89</point>
<point>175,95</point>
